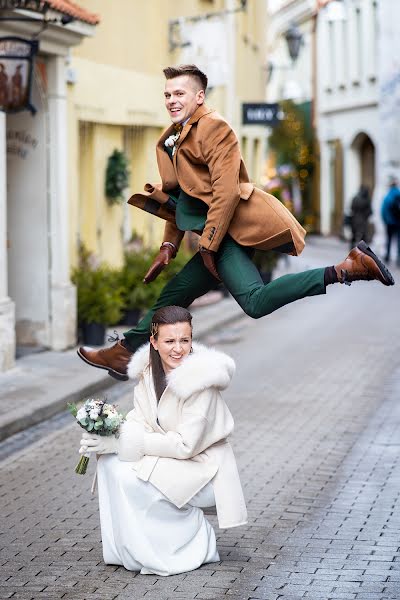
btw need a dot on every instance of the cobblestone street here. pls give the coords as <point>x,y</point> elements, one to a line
<point>316,405</point>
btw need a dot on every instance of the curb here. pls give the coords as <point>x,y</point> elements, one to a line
<point>50,410</point>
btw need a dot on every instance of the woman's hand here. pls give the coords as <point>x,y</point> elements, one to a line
<point>99,444</point>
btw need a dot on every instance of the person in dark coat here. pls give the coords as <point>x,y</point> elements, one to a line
<point>361,210</point>
<point>391,217</point>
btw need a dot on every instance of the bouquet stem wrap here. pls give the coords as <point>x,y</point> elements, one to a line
<point>81,467</point>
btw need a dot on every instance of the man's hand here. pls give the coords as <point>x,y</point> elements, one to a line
<point>167,251</point>
<point>98,444</point>
<point>208,257</point>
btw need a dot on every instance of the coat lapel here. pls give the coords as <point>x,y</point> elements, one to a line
<point>165,166</point>
<point>200,112</point>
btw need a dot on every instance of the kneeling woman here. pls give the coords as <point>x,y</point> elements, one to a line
<point>172,457</point>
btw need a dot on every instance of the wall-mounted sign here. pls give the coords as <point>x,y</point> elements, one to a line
<point>261,113</point>
<point>16,69</point>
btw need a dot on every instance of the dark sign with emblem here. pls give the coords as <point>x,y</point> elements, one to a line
<point>261,113</point>
<point>16,71</point>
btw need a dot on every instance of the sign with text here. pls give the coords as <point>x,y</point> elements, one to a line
<point>16,66</point>
<point>261,113</point>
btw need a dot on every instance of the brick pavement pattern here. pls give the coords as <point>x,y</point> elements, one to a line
<point>317,438</point>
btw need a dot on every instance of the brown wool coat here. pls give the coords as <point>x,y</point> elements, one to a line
<point>208,165</point>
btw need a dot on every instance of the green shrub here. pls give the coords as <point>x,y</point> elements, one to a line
<point>100,296</point>
<point>138,295</point>
<point>117,176</point>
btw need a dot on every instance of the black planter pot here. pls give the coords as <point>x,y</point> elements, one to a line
<point>93,334</point>
<point>131,316</point>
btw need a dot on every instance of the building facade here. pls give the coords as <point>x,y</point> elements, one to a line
<point>98,86</point>
<point>293,78</point>
<point>348,67</point>
<point>348,99</point>
<point>37,300</point>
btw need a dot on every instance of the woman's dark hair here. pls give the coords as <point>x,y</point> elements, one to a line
<point>169,315</point>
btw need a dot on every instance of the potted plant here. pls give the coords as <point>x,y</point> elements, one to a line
<point>139,297</point>
<point>100,298</point>
<point>135,293</point>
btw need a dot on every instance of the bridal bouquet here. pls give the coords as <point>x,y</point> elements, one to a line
<point>95,416</point>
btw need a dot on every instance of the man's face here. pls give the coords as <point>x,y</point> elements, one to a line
<point>182,97</point>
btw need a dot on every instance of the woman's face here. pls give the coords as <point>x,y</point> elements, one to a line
<point>173,344</point>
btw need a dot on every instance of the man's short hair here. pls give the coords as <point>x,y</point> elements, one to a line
<point>191,70</point>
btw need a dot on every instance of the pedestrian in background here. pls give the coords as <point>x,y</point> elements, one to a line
<point>172,456</point>
<point>361,210</point>
<point>391,216</point>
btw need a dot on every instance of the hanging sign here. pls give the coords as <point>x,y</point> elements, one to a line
<point>16,72</point>
<point>261,113</point>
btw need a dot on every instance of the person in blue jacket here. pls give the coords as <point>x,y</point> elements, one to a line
<point>391,217</point>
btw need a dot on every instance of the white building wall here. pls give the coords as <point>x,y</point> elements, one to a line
<point>37,300</point>
<point>347,92</point>
<point>290,80</point>
<point>28,253</point>
<point>7,331</point>
<point>389,92</point>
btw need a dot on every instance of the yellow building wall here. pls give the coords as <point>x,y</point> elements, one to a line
<point>251,79</point>
<point>108,221</point>
<point>144,170</point>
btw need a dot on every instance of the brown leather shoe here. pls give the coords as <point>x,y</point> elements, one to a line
<point>114,359</point>
<point>362,263</point>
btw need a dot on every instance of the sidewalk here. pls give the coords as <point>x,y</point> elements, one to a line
<point>42,384</point>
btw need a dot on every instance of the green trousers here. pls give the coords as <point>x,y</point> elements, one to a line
<point>241,278</point>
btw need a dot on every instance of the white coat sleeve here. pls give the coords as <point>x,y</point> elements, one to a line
<point>130,439</point>
<point>130,442</point>
<point>196,432</point>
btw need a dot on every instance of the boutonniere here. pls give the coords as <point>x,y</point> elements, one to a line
<point>170,142</point>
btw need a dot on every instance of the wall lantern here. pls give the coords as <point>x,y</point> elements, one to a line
<point>16,70</point>
<point>294,40</point>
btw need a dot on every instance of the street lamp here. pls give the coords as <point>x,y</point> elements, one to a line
<point>294,40</point>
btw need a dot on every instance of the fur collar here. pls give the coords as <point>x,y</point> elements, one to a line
<point>202,369</point>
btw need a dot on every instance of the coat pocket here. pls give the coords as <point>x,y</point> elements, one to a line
<point>155,192</point>
<point>165,210</point>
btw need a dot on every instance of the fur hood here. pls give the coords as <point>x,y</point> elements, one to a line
<point>202,369</point>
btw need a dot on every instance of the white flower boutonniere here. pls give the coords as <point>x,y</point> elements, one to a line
<point>170,142</point>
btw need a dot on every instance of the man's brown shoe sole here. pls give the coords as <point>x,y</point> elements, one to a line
<point>111,372</point>
<point>386,274</point>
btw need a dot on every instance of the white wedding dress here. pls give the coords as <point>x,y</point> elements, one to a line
<point>143,531</point>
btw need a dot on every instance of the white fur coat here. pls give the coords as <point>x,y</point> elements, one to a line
<point>180,443</point>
